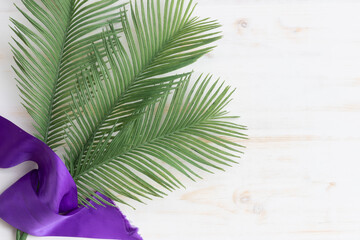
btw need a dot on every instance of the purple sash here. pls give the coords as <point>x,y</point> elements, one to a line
<point>44,201</point>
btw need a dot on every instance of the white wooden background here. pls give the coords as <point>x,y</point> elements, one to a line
<point>296,67</point>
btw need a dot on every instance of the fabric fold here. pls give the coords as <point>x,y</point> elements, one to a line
<point>44,201</point>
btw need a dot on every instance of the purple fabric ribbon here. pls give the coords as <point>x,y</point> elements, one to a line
<point>44,201</point>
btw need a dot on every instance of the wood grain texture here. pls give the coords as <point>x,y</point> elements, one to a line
<point>295,65</point>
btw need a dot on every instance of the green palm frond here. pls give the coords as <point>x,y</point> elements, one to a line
<point>103,77</point>
<point>194,132</point>
<point>132,75</point>
<point>49,54</point>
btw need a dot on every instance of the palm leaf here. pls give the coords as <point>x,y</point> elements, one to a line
<point>132,75</point>
<point>193,133</point>
<point>49,54</point>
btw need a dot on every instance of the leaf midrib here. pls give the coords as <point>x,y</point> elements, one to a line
<point>57,77</point>
<point>190,125</point>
